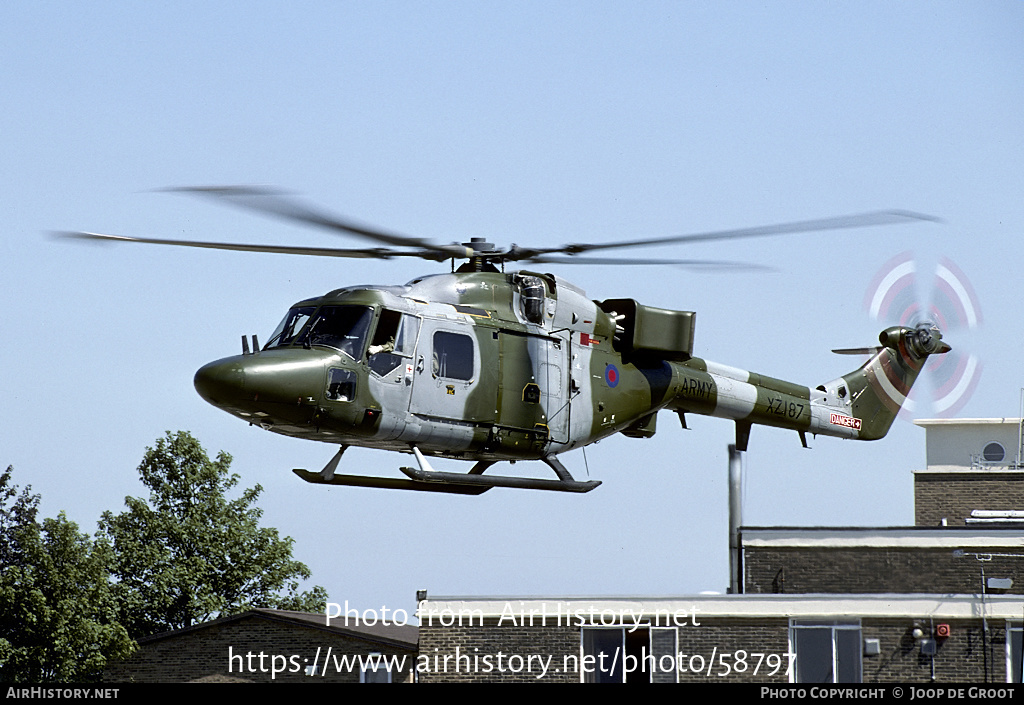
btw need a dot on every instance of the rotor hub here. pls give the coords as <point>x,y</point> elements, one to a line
<point>480,246</point>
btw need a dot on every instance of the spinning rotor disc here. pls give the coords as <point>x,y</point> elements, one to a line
<point>946,300</point>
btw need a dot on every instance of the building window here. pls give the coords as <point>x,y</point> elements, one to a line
<point>826,652</point>
<point>632,654</point>
<point>602,655</point>
<point>375,669</point>
<point>606,650</point>
<point>664,649</point>
<point>1014,653</point>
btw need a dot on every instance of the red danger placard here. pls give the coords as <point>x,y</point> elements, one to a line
<point>848,421</point>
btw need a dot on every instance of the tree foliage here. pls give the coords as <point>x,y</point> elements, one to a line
<point>57,612</point>
<point>190,553</point>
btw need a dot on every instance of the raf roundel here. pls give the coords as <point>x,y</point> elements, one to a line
<point>611,375</point>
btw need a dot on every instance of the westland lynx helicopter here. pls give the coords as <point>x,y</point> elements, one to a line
<point>486,365</point>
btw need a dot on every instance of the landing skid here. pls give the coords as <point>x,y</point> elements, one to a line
<point>425,479</point>
<point>387,483</point>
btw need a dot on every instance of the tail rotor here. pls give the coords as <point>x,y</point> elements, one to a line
<point>943,302</point>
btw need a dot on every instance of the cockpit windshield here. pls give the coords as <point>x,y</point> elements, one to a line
<point>341,327</point>
<point>289,327</point>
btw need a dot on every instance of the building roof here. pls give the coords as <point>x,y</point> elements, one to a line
<point>966,422</point>
<point>917,537</point>
<point>616,611</point>
<point>390,633</point>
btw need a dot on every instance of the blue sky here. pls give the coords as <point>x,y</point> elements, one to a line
<point>535,123</point>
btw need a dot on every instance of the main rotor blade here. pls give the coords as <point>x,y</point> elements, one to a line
<point>369,253</point>
<point>277,203</point>
<point>862,220</point>
<point>711,265</point>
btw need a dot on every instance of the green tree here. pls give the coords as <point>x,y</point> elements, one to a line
<point>57,612</point>
<point>190,554</point>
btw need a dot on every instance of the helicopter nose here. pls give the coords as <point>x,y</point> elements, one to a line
<point>220,382</point>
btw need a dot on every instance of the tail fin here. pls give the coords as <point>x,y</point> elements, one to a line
<point>880,387</point>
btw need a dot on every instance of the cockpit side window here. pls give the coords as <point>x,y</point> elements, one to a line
<point>387,332</point>
<point>393,342</point>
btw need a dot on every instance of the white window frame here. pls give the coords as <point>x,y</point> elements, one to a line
<point>834,626</point>
<point>1013,628</point>
<point>675,649</point>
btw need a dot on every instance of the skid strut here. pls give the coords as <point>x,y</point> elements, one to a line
<point>475,477</point>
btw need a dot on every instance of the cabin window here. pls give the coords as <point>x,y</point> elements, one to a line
<point>453,356</point>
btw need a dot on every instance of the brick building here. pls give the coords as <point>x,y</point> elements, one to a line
<point>935,602</point>
<point>974,474</point>
<point>723,638</point>
<point>271,646</point>
<point>788,560</point>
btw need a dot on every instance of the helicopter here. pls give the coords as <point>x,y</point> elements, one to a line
<point>486,365</point>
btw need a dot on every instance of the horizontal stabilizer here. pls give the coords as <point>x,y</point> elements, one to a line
<point>858,351</point>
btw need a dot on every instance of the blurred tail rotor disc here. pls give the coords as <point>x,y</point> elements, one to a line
<point>947,301</point>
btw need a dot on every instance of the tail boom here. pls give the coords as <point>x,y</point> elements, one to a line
<point>861,404</point>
